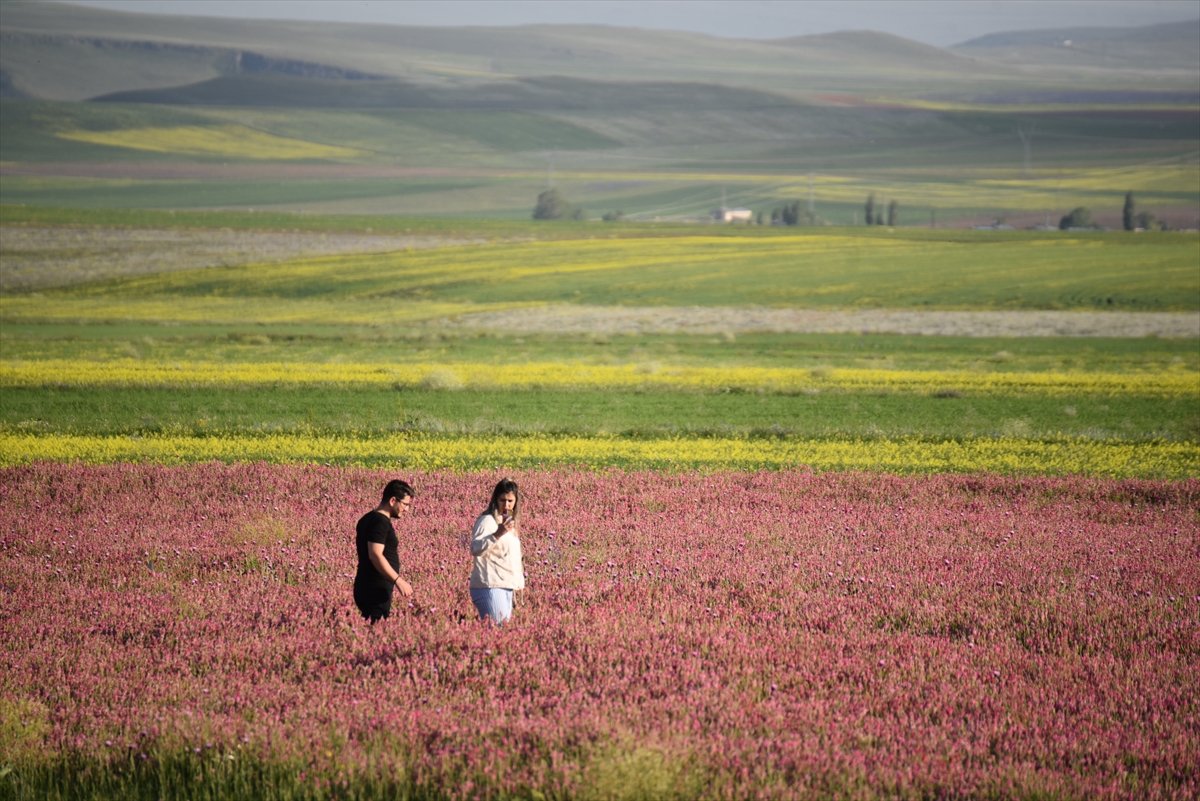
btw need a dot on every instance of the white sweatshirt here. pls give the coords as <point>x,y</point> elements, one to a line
<point>497,562</point>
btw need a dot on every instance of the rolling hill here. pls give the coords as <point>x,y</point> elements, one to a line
<point>104,109</point>
<point>54,50</point>
<point>1173,47</point>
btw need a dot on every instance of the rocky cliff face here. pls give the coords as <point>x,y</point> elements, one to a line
<point>221,61</point>
<point>247,62</point>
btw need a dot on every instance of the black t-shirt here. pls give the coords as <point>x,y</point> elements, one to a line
<point>375,527</point>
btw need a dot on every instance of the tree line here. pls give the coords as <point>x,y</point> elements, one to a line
<point>873,215</point>
<point>551,205</point>
<point>1131,218</point>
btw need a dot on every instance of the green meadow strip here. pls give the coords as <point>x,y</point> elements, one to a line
<point>1010,456</point>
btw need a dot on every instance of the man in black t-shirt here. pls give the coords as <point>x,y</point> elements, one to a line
<point>378,557</point>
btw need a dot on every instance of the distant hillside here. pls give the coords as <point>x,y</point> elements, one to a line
<point>52,50</point>
<point>110,110</point>
<point>1173,46</point>
<point>883,47</point>
<point>527,94</point>
<point>60,67</point>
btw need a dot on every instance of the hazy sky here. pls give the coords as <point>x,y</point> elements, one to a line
<point>937,22</point>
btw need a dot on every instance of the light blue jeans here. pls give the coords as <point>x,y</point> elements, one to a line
<point>492,602</point>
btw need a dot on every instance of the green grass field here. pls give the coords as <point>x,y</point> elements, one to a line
<point>814,268</point>
<point>374,410</point>
<point>400,308</point>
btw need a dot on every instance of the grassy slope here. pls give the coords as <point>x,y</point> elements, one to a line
<point>841,62</point>
<point>473,54</point>
<point>1171,45</point>
<point>927,159</point>
<point>70,69</point>
<point>653,163</point>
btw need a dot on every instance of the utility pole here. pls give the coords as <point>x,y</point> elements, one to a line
<point>1025,134</point>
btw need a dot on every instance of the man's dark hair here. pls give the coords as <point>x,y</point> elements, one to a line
<point>397,489</point>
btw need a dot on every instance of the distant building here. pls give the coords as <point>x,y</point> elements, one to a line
<point>733,215</point>
<point>998,225</point>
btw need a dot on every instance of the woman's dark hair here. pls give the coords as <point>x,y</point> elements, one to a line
<point>505,486</point>
<point>397,489</point>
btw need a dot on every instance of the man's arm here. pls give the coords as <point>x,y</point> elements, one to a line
<point>375,553</point>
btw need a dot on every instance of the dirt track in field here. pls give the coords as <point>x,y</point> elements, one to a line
<point>182,170</point>
<point>732,321</point>
<point>34,257</point>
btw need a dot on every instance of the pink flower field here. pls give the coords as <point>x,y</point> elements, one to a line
<point>736,635</point>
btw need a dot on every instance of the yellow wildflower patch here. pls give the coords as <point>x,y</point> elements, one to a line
<point>1180,178</point>
<point>229,141</point>
<point>1025,108</point>
<point>568,375</point>
<point>1008,456</point>
<point>229,310</point>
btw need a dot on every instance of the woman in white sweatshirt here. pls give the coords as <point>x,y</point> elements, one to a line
<point>496,547</point>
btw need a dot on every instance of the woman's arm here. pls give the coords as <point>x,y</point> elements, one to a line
<point>375,554</point>
<point>487,532</point>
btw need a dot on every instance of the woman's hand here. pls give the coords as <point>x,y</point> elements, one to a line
<point>404,587</point>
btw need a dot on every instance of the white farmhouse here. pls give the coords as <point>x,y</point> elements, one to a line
<point>733,215</point>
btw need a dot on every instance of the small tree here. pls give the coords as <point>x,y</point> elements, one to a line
<point>791,213</point>
<point>1078,217</point>
<point>1127,214</point>
<point>892,210</point>
<point>869,210</point>
<point>1147,221</point>
<point>551,205</point>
